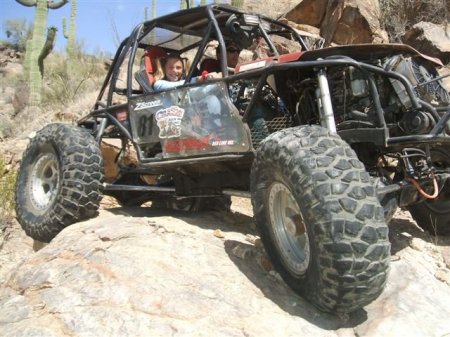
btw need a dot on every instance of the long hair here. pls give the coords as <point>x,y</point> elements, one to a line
<point>161,62</point>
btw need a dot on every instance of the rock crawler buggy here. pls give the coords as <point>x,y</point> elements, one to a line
<point>327,143</point>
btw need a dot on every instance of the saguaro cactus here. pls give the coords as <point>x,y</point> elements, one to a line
<point>153,9</point>
<point>184,4</point>
<point>237,3</point>
<point>70,34</point>
<point>37,43</point>
<point>153,36</point>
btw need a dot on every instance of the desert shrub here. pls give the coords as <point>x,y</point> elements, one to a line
<point>397,16</point>
<point>17,33</point>
<point>67,79</point>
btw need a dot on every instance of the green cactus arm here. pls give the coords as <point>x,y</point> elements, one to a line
<point>64,24</point>
<point>153,9</point>
<point>53,5</point>
<point>50,4</point>
<point>28,3</point>
<point>237,3</point>
<point>47,48</point>
<point>71,34</point>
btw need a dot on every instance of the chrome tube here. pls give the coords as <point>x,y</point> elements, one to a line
<point>326,107</point>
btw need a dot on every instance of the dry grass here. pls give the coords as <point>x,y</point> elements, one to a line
<point>397,16</point>
<point>69,80</point>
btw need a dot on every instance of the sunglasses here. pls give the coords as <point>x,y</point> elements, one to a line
<point>233,50</point>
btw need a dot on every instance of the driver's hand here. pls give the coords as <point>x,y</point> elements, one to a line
<point>213,75</point>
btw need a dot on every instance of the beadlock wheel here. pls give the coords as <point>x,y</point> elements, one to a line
<point>319,218</point>
<point>290,232</point>
<point>44,181</point>
<point>59,181</point>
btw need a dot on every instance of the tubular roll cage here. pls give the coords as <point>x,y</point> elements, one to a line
<point>381,133</point>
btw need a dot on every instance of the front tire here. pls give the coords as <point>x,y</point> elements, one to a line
<point>59,181</point>
<point>319,218</point>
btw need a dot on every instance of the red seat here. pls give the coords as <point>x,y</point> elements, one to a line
<point>210,65</point>
<point>149,59</point>
<point>145,76</point>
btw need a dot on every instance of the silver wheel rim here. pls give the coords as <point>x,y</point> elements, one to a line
<point>44,180</point>
<point>289,230</point>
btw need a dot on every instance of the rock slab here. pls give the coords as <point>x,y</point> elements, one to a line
<point>141,272</point>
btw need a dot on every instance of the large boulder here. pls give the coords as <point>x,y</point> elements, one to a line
<point>308,12</point>
<point>142,272</point>
<point>429,39</point>
<point>341,21</point>
<point>153,276</point>
<point>273,9</point>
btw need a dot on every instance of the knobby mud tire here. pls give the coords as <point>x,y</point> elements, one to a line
<point>130,198</point>
<point>433,216</point>
<point>59,180</point>
<point>319,218</point>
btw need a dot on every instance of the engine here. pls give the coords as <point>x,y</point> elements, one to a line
<point>354,105</point>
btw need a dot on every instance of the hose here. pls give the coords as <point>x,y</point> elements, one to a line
<point>422,192</point>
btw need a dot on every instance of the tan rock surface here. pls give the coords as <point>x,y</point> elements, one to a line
<point>429,39</point>
<point>142,272</point>
<point>341,22</point>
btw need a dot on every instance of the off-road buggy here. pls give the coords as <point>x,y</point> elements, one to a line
<point>327,143</point>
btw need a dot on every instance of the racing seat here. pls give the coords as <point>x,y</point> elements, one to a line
<point>145,76</point>
<point>210,65</point>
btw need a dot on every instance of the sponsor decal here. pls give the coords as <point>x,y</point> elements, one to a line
<point>169,121</point>
<point>189,144</point>
<point>186,144</point>
<point>146,105</point>
<point>222,142</point>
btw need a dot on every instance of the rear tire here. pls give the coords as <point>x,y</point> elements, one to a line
<point>59,181</point>
<point>194,204</point>
<point>433,216</point>
<point>130,198</point>
<point>319,218</point>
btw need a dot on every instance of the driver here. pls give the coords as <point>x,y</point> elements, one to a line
<point>213,65</point>
<point>171,73</point>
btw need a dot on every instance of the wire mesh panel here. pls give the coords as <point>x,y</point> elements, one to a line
<point>261,128</point>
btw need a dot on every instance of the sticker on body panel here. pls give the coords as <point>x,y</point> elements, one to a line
<point>169,121</point>
<point>146,105</point>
